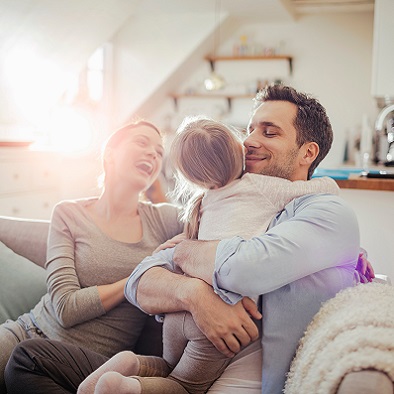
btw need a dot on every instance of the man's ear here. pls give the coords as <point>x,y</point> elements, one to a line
<point>309,154</point>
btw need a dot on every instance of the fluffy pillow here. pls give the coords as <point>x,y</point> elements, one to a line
<point>22,284</point>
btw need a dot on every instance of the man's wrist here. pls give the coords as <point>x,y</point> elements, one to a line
<point>189,293</point>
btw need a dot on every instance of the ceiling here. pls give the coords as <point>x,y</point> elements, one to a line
<point>61,29</point>
<point>55,27</point>
<point>262,10</point>
<point>66,33</point>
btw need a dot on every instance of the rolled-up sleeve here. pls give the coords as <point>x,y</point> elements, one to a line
<point>224,251</point>
<point>163,259</point>
<point>313,233</point>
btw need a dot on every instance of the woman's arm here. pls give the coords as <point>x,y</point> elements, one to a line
<point>112,295</point>
<point>72,303</point>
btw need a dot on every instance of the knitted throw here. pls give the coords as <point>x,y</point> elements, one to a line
<point>351,332</point>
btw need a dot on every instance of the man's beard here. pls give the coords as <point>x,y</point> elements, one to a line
<point>284,169</point>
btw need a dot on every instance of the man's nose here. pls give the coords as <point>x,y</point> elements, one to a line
<point>251,142</point>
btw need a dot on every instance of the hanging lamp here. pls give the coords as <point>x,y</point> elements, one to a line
<point>215,81</point>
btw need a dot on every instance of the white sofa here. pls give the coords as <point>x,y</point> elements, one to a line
<point>22,278</point>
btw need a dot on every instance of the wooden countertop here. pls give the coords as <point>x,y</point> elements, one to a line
<point>366,183</point>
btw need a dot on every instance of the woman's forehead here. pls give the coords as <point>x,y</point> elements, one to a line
<point>147,131</point>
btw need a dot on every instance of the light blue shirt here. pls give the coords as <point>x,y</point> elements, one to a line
<point>306,256</point>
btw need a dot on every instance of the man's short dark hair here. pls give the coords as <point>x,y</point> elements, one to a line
<point>311,122</point>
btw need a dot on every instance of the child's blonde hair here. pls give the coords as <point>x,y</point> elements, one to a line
<point>206,155</point>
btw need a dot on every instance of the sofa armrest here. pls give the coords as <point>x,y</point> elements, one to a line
<point>366,382</point>
<point>25,237</point>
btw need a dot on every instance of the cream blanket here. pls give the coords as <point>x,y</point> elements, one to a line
<point>351,332</point>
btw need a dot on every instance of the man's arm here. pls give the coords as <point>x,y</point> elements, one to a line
<point>155,289</point>
<point>312,233</point>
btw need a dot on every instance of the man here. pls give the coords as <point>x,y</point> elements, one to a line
<point>307,255</point>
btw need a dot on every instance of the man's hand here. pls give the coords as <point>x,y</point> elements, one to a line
<point>228,327</point>
<point>364,268</point>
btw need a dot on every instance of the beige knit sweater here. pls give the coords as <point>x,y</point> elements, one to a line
<point>80,257</point>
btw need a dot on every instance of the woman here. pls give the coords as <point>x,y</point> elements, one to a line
<point>93,246</point>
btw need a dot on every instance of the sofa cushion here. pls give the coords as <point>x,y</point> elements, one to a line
<point>25,237</point>
<point>22,284</point>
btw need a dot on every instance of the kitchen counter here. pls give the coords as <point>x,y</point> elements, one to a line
<point>350,178</point>
<point>366,183</point>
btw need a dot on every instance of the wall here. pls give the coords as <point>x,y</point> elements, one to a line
<point>42,45</point>
<point>376,223</point>
<point>148,50</point>
<point>383,79</point>
<point>332,60</point>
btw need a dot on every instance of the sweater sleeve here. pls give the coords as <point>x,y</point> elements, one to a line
<point>279,192</point>
<point>71,303</point>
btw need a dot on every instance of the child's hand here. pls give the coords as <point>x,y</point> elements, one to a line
<point>364,268</point>
<point>171,242</point>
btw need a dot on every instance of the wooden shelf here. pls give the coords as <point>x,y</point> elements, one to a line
<point>230,97</point>
<point>211,95</point>
<point>213,59</point>
<point>262,57</point>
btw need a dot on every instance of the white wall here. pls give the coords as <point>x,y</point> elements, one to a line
<point>383,79</point>
<point>332,60</point>
<point>147,51</point>
<point>375,214</point>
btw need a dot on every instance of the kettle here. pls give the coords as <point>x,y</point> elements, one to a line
<point>384,136</point>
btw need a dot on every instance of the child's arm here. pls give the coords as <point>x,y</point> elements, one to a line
<point>317,185</point>
<point>279,192</point>
<point>314,186</point>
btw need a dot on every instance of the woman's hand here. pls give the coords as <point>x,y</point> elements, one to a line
<point>171,242</point>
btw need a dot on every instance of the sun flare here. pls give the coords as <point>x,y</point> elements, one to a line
<point>70,130</point>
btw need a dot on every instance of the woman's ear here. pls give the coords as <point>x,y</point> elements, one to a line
<point>310,152</point>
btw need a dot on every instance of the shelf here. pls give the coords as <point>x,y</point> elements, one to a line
<point>228,97</point>
<point>213,59</point>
